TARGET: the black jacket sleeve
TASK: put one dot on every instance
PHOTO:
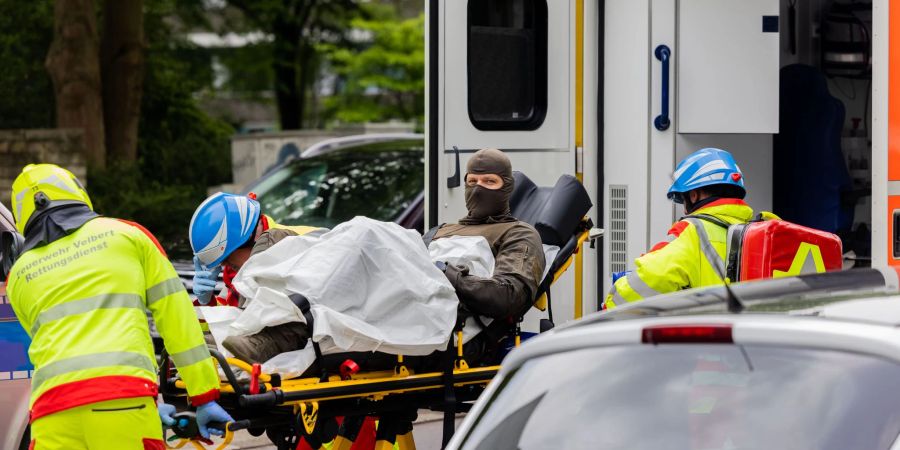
(519, 264)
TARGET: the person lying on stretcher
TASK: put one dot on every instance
(504, 296)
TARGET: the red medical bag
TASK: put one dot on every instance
(776, 248)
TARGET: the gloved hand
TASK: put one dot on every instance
(205, 281)
(211, 412)
(166, 411)
(617, 275)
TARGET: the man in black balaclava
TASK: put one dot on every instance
(516, 245)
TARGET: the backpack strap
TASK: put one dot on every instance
(711, 219)
(302, 303)
(733, 249)
(712, 256)
(733, 242)
(429, 236)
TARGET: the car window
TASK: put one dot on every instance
(377, 180)
(694, 397)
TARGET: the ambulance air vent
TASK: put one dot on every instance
(618, 203)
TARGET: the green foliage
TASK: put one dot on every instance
(25, 87)
(125, 192)
(385, 78)
(250, 71)
(181, 150)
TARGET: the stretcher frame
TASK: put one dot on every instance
(308, 407)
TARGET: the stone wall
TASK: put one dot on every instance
(19, 148)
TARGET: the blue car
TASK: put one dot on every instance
(15, 368)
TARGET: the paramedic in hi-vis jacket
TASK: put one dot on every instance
(711, 187)
(223, 231)
(81, 290)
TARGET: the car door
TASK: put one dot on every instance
(15, 368)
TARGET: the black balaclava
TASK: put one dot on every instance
(487, 205)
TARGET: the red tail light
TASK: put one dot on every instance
(667, 334)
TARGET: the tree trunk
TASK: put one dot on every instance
(73, 64)
(307, 77)
(122, 64)
(287, 90)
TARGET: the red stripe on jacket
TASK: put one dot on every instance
(101, 389)
(675, 231)
(91, 390)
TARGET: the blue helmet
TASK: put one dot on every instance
(221, 224)
(705, 167)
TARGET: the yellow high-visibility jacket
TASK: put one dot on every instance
(684, 261)
(84, 298)
(269, 223)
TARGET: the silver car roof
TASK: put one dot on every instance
(334, 144)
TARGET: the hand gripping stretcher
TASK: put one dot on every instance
(334, 406)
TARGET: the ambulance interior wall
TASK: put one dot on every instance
(854, 93)
(754, 152)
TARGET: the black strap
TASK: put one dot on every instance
(733, 249)
(449, 394)
(548, 281)
(709, 218)
(301, 302)
(734, 239)
(429, 236)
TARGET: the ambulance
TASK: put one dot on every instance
(804, 93)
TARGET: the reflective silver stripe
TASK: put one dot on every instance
(164, 289)
(91, 361)
(105, 301)
(712, 256)
(639, 286)
(617, 299)
(191, 356)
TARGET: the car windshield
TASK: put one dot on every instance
(379, 181)
(694, 397)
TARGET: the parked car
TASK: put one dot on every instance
(15, 368)
(810, 362)
(381, 176)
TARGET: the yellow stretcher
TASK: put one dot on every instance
(307, 408)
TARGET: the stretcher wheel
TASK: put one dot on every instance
(256, 432)
(288, 437)
(283, 438)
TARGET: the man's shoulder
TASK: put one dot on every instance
(520, 225)
(115, 225)
(269, 238)
(516, 227)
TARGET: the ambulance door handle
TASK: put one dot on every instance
(662, 121)
(453, 180)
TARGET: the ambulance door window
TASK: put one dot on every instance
(507, 64)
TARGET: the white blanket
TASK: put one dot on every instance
(372, 286)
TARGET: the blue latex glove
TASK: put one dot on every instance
(211, 412)
(617, 275)
(166, 411)
(205, 281)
